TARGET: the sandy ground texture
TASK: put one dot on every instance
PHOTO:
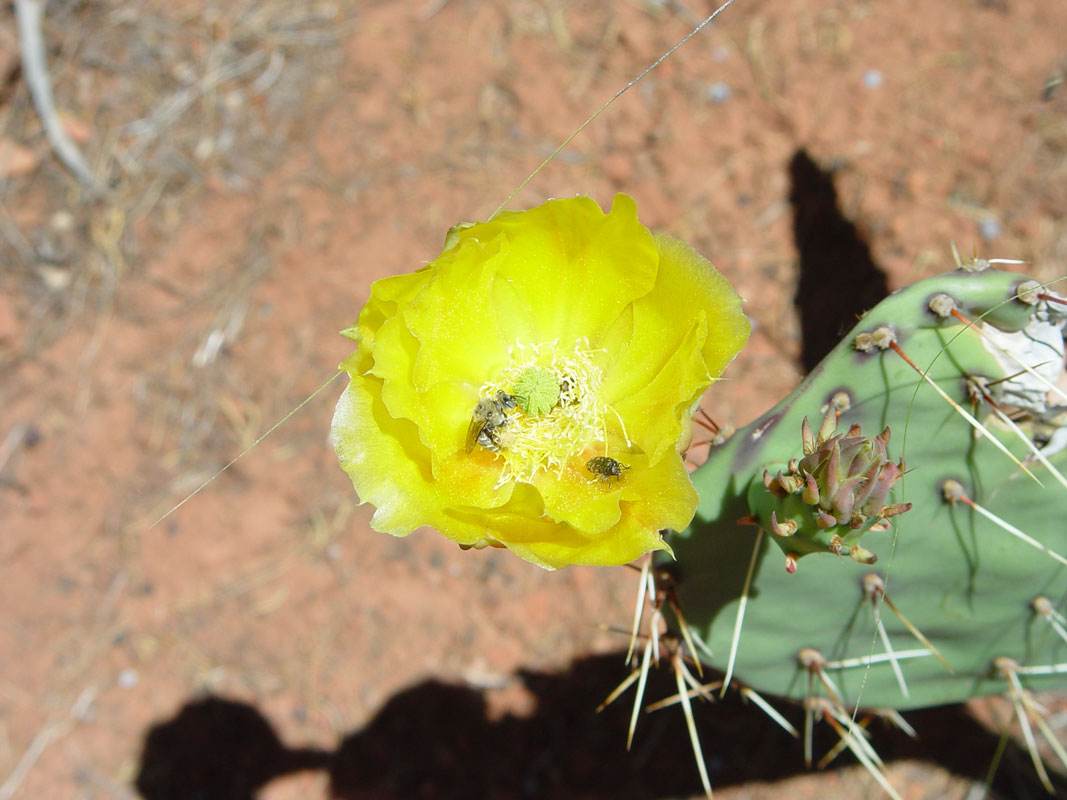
(260, 164)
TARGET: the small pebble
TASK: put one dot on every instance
(719, 92)
(233, 100)
(32, 436)
(989, 229)
(872, 79)
(204, 148)
(62, 222)
(128, 678)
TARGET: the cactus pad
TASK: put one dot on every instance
(950, 584)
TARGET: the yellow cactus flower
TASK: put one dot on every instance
(532, 387)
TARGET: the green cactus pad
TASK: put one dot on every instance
(965, 583)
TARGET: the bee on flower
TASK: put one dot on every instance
(490, 415)
(486, 382)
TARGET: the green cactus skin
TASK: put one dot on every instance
(962, 581)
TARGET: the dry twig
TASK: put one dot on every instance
(28, 14)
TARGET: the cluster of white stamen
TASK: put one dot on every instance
(578, 422)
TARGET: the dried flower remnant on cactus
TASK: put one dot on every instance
(555, 336)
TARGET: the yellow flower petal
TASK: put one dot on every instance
(569, 269)
(387, 295)
(393, 470)
(708, 291)
(691, 326)
(365, 436)
(461, 339)
(649, 501)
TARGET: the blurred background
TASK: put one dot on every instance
(257, 166)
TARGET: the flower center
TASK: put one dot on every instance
(559, 414)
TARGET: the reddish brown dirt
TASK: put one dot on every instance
(268, 587)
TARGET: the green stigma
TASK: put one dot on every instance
(537, 392)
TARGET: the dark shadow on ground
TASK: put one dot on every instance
(435, 741)
(216, 749)
(838, 280)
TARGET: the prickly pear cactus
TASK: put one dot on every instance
(895, 526)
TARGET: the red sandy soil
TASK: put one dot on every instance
(268, 587)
